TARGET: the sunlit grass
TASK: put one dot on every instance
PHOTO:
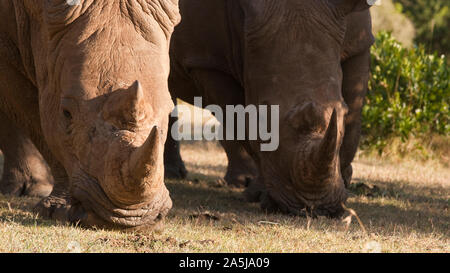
(408, 212)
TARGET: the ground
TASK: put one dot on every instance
(403, 207)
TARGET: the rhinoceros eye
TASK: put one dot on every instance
(67, 114)
(69, 107)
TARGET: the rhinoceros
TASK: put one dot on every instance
(86, 82)
(310, 57)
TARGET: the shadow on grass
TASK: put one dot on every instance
(200, 176)
(406, 192)
(20, 211)
(386, 218)
(399, 207)
(403, 205)
(205, 196)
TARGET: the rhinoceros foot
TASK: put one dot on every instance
(347, 174)
(53, 207)
(239, 177)
(254, 191)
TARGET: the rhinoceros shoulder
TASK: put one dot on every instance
(359, 36)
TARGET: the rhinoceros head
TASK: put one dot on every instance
(293, 59)
(105, 103)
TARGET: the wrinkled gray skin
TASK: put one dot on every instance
(87, 84)
(309, 57)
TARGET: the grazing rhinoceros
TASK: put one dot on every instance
(310, 57)
(86, 81)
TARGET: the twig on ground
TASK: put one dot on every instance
(267, 223)
(349, 218)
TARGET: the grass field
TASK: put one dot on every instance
(404, 207)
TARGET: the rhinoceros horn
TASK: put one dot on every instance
(325, 153)
(144, 160)
(126, 108)
(137, 100)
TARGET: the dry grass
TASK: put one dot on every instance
(432, 150)
(405, 211)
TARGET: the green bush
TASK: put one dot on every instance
(409, 94)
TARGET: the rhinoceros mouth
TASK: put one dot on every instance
(292, 198)
(328, 206)
(98, 210)
(300, 207)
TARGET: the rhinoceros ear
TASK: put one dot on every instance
(345, 7)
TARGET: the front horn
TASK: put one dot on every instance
(145, 159)
(325, 153)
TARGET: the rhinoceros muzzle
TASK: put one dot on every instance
(135, 199)
(92, 207)
(128, 189)
(315, 186)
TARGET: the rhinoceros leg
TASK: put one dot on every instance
(241, 168)
(355, 80)
(221, 89)
(19, 103)
(25, 170)
(173, 164)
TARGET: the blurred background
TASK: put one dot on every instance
(407, 107)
